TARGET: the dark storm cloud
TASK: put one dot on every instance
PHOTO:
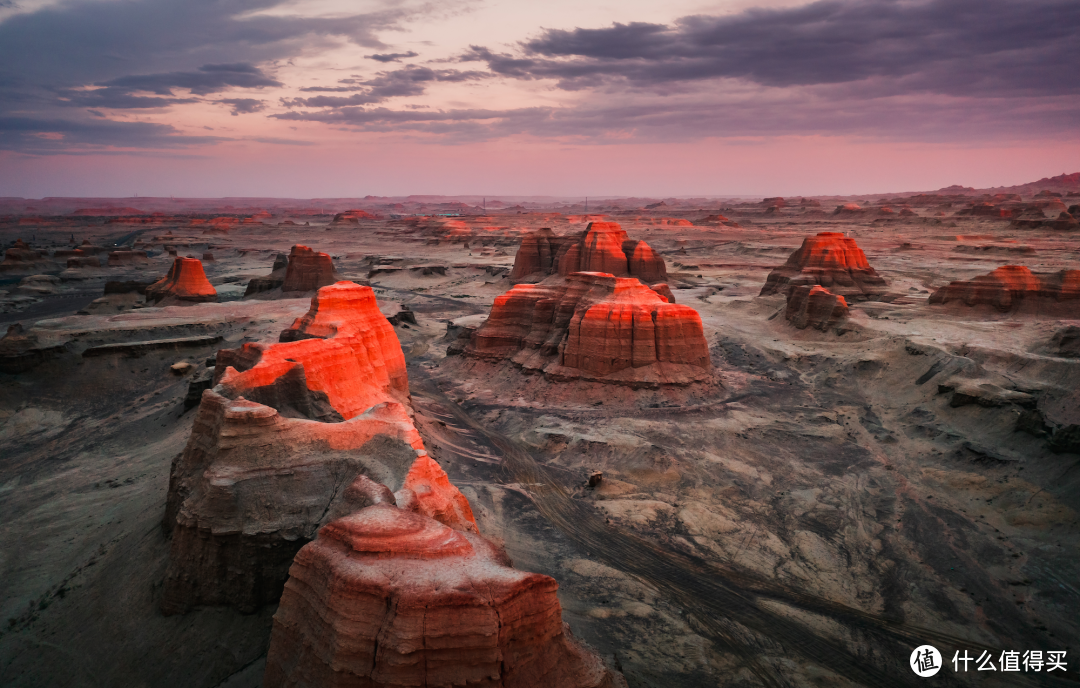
(941, 46)
(45, 136)
(243, 106)
(208, 79)
(408, 81)
(391, 57)
(111, 54)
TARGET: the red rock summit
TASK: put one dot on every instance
(1015, 287)
(308, 270)
(595, 326)
(604, 247)
(351, 217)
(185, 283)
(831, 260)
(284, 428)
(386, 598)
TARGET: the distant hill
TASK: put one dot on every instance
(1063, 183)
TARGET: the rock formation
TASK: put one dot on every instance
(604, 247)
(815, 307)
(21, 351)
(285, 430)
(21, 257)
(1010, 287)
(386, 598)
(185, 283)
(595, 326)
(308, 270)
(351, 217)
(120, 258)
(831, 260)
(275, 279)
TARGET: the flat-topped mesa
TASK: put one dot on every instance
(1013, 287)
(186, 283)
(351, 217)
(386, 598)
(595, 326)
(308, 270)
(286, 427)
(815, 307)
(604, 247)
(831, 260)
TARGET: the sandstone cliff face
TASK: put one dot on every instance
(185, 283)
(279, 444)
(815, 307)
(604, 247)
(275, 279)
(1012, 287)
(384, 598)
(308, 270)
(831, 260)
(595, 326)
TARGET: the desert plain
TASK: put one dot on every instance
(819, 491)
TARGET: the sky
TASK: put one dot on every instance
(332, 98)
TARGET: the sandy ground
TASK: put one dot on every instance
(801, 523)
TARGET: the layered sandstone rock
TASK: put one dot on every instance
(350, 217)
(384, 598)
(308, 270)
(604, 247)
(121, 258)
(831, 260)
(1012, 287)
(275, 279)
(185, 283)
(595, 326)
(279, 440)
(815, 307)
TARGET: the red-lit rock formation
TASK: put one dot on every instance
(815, 307)
(848, 210)
(598, 327)
(387, 599)
(1010, 287)
(604, 247)
(185, 283)
(275, 279)
(308, 270)
(831, 260)
(285, 430)
(351, 217)
(663, 291)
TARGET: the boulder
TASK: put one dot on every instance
(831, 260)
(387, 598)
(186, 283)
(284, 430)
(815, 307)
(308, 270)
(595, 326)
(1010, 287)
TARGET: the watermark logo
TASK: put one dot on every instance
(925, 661)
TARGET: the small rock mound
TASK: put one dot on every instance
(185, 283)
(831, 260)
(815, 307)
(1009, 287)
(384, 597)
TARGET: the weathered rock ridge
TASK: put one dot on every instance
(603, 247)
(595, 326)
(185, 283)
(1012, 287)
(831, 260)
(385, 598)
(279, 444)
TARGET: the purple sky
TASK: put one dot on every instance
(347, 98)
